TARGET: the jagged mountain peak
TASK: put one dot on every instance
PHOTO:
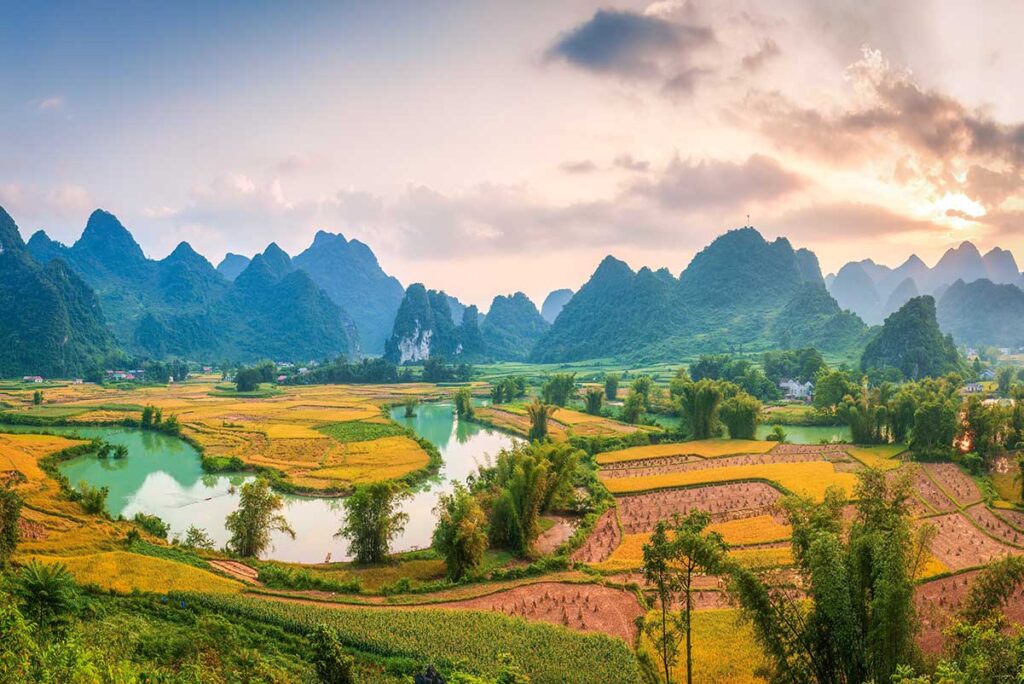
(105, 237)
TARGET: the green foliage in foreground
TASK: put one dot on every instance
(452, 640)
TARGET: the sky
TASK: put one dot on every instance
(487, 147)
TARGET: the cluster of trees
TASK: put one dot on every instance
(706, 405)
(248, 378)
(508, 389)
(802, 365)
(436, 369)
(375, 371)
(161, 371)
(559, 389)
(742, 372)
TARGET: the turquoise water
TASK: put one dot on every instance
(162, 476)
(809, 434)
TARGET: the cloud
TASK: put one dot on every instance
(754, 61)
(628, 163)
(844, 220)
(578, 167)
(692, 186)
(51, 104)
(630, 45)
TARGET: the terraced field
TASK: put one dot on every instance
(322, 439)
(563, 423)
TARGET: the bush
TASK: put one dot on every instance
(333, 665)
(152, 524)
(93, 499)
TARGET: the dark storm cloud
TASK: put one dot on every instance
(712, 183)
(628, 44)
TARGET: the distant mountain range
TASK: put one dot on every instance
(740, 293)
(873, 291)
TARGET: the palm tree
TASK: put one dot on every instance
(48, 592)
(539, 414)
(594, 397)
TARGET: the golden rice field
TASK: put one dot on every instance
(882, 457)
(126, 572)
(282, 432)
(705, 448)
(562, 424)
(809, 479)
(761, 529)
(724, 650)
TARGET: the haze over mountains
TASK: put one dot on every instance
(873, 291)
(741, 293)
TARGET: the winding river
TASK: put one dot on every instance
(162, 476)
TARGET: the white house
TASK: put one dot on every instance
(974, 388)
(797, 390)
(32, 378)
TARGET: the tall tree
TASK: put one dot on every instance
(255, 519)
(461, 532)
(539, 414)
(741, 414)
(611, 386)
(10, 512)
(373, 518)
(559, 389)
(594, 398)
(699, 402)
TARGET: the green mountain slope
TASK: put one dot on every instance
(983, 313)
(349, 273)
(512, 327)
(739, 293)
(52, 324)
(910, 341)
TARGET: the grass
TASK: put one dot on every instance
(705, 448)
(124, 572)
(807, 479)
(358, 431)
(724, 650)
(882, 456)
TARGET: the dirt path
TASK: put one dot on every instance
(556, 535)
(239, 571)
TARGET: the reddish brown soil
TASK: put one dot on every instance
(959, 544)
(640, 512)
(995, 526)
(954, 482)
(583, 607)
(1014, 518)
(605, 538)
(938, 601)
(662, 466)
(239, 571)
(930, 493)
(815, 449)
(29, 530)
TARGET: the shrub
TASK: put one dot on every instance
(332, 664)
(152, 524)
(93, 499)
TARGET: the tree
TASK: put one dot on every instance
(461, 532)
(464, 403)
(699, 402)
(10, 513)
(147, 417)
(410, 407)
(197, 538)
(525, 482)
(539, 414)
(48, 593)
(1004, 379)
(332, 664)
(642, 386)
(632, 409)
(672, 560)
(594, 399)
(741, 413)
(255, 519)
(248, 379)
(611, 386)
(93, 499)
(559, 389)
(373, 518)
(830, 388)
(37, 397)
(860, 622)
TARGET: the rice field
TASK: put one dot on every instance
(706, 448)
(724, 650)
(320, 438)
(124, 572)
(883, 457)
(809, 479)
